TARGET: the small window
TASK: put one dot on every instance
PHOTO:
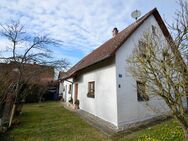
(120, 75)
(91, 89)
(153, 30)
(70, 89)
(141, 94)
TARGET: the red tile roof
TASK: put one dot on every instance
(109, 48)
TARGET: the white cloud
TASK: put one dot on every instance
(80, 24)
(4, 44)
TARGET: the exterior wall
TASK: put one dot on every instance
(104, 105)
(129, 109)
(61, 89)
(65, 89)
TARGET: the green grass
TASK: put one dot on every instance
(51, 122)
(166, 131)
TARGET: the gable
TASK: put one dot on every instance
(131, 44)
(109, 48)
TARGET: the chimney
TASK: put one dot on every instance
(114, 32)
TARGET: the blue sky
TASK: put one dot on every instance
(82, 25)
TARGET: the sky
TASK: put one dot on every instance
(82, 25)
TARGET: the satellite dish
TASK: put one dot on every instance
(135, 14)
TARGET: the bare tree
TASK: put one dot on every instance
(154, 64)
(23, 49)
(179, 27)
(161, 66)
(179, 42)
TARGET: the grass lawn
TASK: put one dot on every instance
(51, 122)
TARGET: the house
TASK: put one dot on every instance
(61, 84)
(35, 73)
(102, 83)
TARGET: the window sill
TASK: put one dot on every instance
(91, 95)
(143, 100)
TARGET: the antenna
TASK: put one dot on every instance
(135, 14)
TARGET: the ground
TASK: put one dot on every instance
(51, 122)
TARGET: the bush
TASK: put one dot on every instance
(34, 93)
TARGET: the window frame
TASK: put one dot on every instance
(141, 94)
(91, 91)
(153, 28)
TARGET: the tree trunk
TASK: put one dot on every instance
(184, 124)
(185, 134)
(12, 115)
(9, 102)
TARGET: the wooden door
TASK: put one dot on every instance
(76, 91)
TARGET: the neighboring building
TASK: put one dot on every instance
(61, 85)
(101, 81)
(35, 73)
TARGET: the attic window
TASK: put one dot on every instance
(153, 30)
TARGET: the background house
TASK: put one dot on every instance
(35, 73)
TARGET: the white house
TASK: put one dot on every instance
(101, 81)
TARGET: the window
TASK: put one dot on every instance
(91, 89)
(120, 75)
(70, 89)
(153, 30)
(141, 95)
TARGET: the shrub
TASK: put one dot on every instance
(34, 93)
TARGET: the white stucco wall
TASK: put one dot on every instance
(66, 94)
(129, 109)
(104, 105)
